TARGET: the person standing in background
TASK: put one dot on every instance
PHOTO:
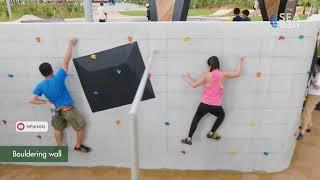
(112, 2)
(256, 7)
(237, 17)
(102, 13)
(148, 12)
(245, 15)
(313, 99)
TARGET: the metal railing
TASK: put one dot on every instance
(135, 172)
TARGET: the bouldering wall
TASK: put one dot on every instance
(262, 107)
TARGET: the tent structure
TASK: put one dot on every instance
(110, 78)
(273, 8)
(169, 10)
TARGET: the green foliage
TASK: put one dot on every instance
(41, 10)
(205, 3)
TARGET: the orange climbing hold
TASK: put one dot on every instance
(259, 74)
(118, 122)
(38, 39)
(130, 39)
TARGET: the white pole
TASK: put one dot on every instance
(9, 9)
(135, 174)
(88, 10)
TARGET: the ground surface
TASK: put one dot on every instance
(305, 166)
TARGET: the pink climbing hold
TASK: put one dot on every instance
(39, 136)
(281, 37)
(4, 121)
(149, 75)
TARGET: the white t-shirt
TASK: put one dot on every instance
(101, 12)
(256, 4)
(313, 90)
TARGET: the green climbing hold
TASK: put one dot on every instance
(301, 37)
(119, 71)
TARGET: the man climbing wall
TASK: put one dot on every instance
(55, 90)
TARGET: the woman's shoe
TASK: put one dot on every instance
(215, 136)
(186, 141)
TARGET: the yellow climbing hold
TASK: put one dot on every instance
(252, 123)
(232, 152)
(186, 38)
(93, 56)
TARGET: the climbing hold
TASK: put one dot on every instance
(130, 39)
(95, 92)
(186, 38)
(38, 39)
(38, 136)
(266, 153)
(117, 122)
(301, 37)
(149, 75)
(281, 38)
(93, 56)
(252, 123)
(232, 152)
(167, 123)
(119, 71)
(4, 121)
(183, 152)
(10, 75)
(258, 74)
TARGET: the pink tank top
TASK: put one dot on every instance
(213, 94)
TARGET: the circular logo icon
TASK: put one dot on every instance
(274, 21)
(20, 126)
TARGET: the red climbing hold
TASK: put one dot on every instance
(281, 37)
(4, 121)
(38, 39)
(149, 75)
(39, 136)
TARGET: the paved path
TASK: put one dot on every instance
(222, 12)
(114, 10)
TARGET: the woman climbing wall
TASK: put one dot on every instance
(212, 95)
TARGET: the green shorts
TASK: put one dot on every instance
(72, 117)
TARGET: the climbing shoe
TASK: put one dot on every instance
(186, 141)
(300, 136)
(215, 136)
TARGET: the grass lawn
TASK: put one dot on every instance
(44, 11)
(192, 12)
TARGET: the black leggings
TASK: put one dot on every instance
(202, 110)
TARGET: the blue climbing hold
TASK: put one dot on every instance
(95, 92)
(266, 153)
(10, 75)
(167, 123)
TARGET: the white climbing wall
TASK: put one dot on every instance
(262, 106)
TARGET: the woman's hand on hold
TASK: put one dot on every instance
(185, 75)
(241, 59)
